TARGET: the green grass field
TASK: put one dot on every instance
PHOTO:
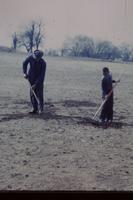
(57, 151)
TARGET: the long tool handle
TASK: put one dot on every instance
(34, 93)
(103, 102)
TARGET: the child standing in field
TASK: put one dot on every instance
(107, 86)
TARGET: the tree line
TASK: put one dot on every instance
(84, 46)
(32, 37)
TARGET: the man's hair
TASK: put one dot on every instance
(38, 53)
(105, 70)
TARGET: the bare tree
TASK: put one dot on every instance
(126, 52)
(32, 37)
(106, 50)
(79, 46)
(39, 36)
(15, 41)
(24, 41)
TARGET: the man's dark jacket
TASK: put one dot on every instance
(36, 72)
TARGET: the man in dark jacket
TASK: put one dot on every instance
(35, 76)
(107, 109)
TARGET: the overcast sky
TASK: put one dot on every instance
(100, 19)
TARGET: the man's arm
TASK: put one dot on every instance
(25, 64)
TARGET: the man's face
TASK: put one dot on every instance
(105, 73)
(36, 53)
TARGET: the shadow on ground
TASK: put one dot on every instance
(50, 113)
